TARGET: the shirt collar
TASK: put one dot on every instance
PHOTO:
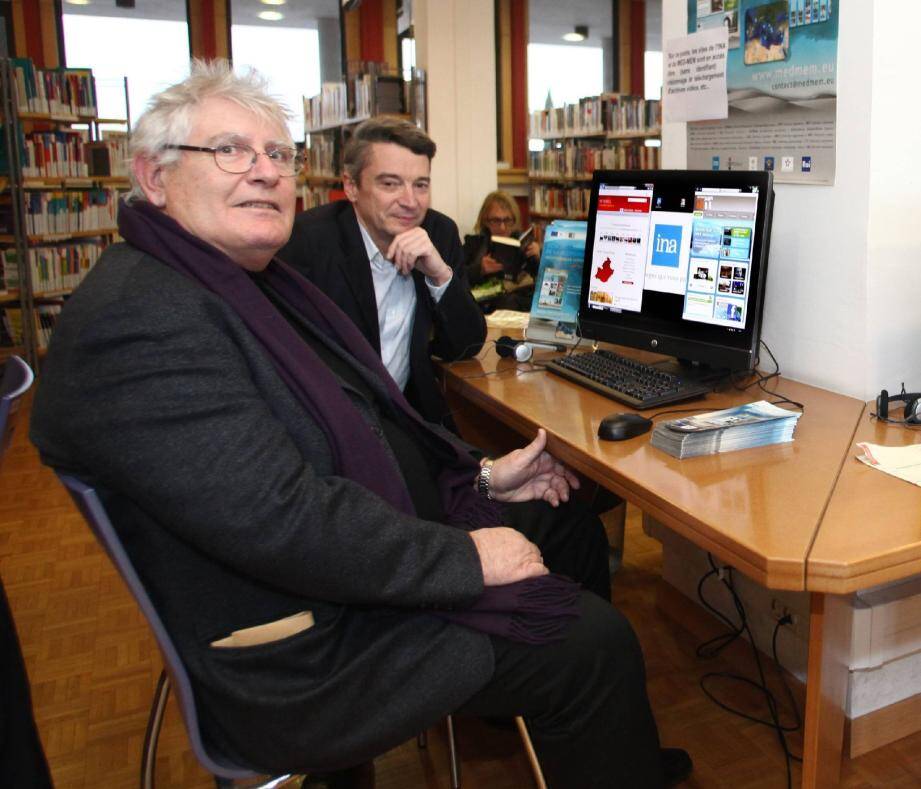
(370, 246)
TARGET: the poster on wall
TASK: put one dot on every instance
(781, 79)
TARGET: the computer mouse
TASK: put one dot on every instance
(618, 427)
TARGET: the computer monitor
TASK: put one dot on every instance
(676, 261)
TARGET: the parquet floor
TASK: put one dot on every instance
(93, 667)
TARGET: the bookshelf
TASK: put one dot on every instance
(370, 89)
(598, 132)
(60, 179)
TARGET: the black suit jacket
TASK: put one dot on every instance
(326, 247)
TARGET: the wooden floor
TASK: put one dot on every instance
(93, 666)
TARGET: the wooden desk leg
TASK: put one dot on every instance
(826, 689)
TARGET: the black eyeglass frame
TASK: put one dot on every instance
(297, 161)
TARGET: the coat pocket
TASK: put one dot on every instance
(269, 632)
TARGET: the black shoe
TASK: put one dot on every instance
(676, 765)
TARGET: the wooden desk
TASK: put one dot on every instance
(758, 510)
(853, 551)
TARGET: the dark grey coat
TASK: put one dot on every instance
(221, 486)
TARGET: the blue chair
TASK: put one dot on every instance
(17, 378)
(87, 501)
(174, 674)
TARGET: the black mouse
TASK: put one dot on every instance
(617, 427)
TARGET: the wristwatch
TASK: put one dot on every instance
(482, 480)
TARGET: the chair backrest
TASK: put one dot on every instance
(90, 506)
(17, 378)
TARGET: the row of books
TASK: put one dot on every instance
(55, 268)
(581, 158)
(108, 156)
(67, 153)
(59, 212)
(560, 201)
(44, 317)
(54, 154)
(313, 196)
(10, 327)
(322, 155)
(372, 92)
(609, 113)
(57, 91)
(329, 107)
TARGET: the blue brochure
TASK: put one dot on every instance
(555, 305)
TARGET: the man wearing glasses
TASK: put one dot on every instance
(392, 264)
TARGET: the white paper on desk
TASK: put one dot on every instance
(902, 462)
(694, 88)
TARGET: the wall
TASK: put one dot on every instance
(894, 221)
(841, 308)
(455, 44)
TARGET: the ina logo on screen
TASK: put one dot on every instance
(666, 245)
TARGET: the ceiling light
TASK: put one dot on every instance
(78, 2)
(580, 33)
(272, 2)
(270, 16)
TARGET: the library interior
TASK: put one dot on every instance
(618, 284)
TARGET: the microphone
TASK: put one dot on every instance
(522, 351)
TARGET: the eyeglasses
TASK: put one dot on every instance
(237, 158)
(505, 221)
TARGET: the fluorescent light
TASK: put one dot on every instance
(272, 2)
(580, 33)
(270, 16)
(78, 2)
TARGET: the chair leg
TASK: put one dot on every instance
(452, 754)
(532, 754)
(152, 736)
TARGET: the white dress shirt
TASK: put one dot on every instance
(396, 309)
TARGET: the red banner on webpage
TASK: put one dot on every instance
(624, 204)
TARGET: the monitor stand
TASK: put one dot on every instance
(693, 371)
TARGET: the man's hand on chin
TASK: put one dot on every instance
(414, 249)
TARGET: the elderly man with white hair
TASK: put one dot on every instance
(266, 475)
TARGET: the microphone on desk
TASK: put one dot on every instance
(522, 351)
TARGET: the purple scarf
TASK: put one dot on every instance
(536, 610)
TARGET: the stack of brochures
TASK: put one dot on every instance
(749, 425)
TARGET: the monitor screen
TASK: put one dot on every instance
(675, 262)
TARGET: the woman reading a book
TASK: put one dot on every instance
(502, 271)
(269, 480)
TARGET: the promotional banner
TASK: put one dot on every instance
(781, 80)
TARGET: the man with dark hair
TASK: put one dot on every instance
(392, 264)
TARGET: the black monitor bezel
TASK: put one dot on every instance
(709, 345)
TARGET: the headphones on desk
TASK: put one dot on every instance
(912, 412)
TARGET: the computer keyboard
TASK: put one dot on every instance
(629, 382)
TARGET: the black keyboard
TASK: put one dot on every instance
(629, 382)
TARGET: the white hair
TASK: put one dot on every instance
(170, 113)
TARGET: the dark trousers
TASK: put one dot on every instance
(22, 760)
(584, 698)
(571, 539)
